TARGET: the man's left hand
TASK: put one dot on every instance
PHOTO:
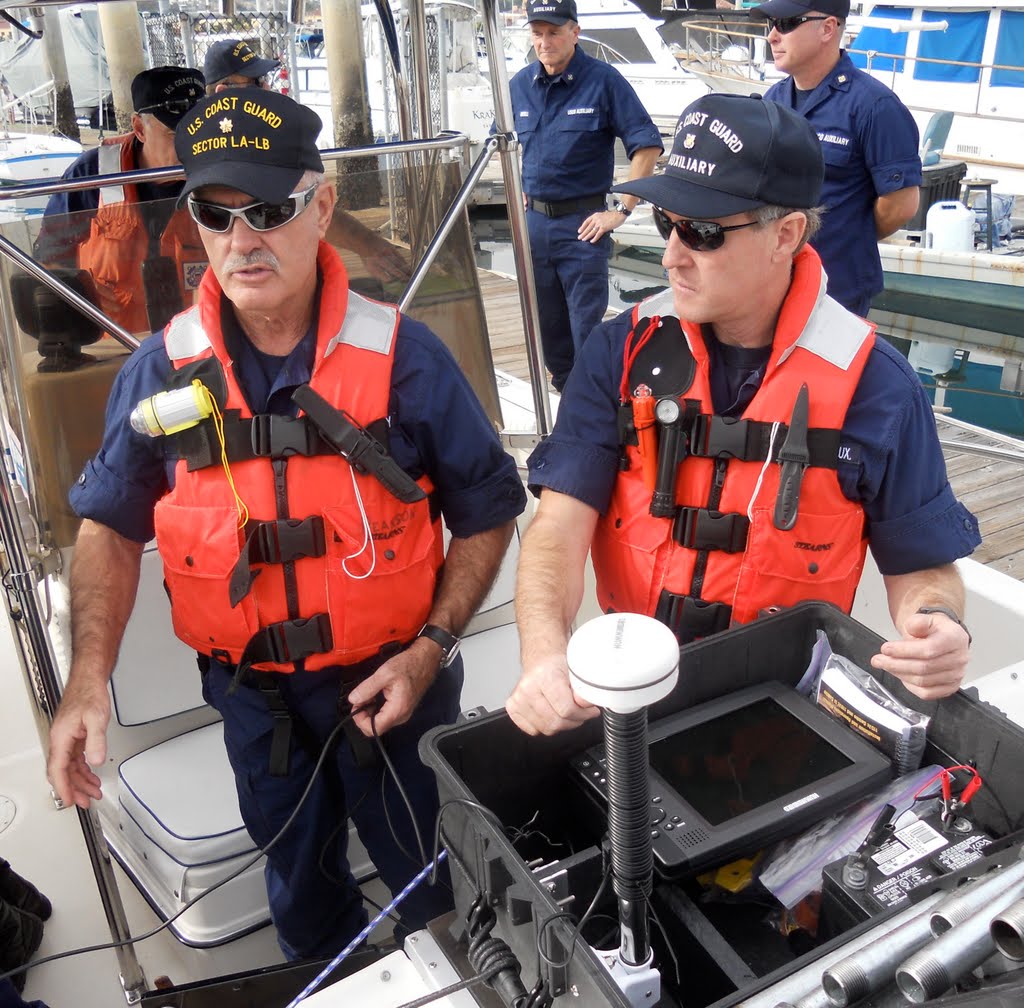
(384, 261)
(931, 659)
(399, 684)
(597, 225)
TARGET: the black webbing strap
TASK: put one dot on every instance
(701, 529)
(288, 641)
(283, 540)
(266, 435)
(689, 618)
(748, 440)
(281, 739)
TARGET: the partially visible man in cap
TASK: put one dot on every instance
(232, 63)
(868, 137)
(735, 442)
(569, 109)
(113, 231)
(311, 588)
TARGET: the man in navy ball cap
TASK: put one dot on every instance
(868, 137)
(112, 231)
(303, 612)
(569, 110)
(734, 444)
(233, 63)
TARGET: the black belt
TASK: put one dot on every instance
(562, 208)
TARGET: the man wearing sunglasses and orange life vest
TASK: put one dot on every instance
(868, 138)
(145, 258)
(309, 586)
(736, 442)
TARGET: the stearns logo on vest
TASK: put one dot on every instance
(396, 526)
(813, 547)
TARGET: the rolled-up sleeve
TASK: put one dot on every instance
(438, 427)
(914, 520)
(120, 486)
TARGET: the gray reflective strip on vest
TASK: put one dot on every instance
(184, 336)
(109, 163)
(833, 334)
(368, 325)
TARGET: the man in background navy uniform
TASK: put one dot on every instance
(868, 138)
(232, 63)
(569, 109)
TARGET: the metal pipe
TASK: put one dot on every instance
(932, 970)
(421, 72)
(805, 980)
(993, 891)
(504, 123)
(1008, 931)
(23, 603)
(448, 222)
(873, 966)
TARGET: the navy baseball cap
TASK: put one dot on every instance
(556, 12)
(258, 142)
(167, 92)
(800, 8)
(734, 153)
(233, 56)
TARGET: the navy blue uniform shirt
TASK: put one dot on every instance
(568, 124)
(890, 458)
(870, 143)
(437, 425)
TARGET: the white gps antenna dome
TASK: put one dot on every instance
(623, 662)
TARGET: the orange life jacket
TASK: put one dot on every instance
(720, 559)
(118, 244)
(310, 579)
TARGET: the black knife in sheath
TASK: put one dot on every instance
(793, 459)
(357, 445)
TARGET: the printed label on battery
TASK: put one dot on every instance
(908, 845)
(895, 890)
(964, 853)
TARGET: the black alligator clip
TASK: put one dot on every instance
(794, 458)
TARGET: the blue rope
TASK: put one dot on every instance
(359, 938)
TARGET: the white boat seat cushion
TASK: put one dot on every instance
(181, 795)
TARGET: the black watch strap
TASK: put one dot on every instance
(621, 207)
(946, 611)
(447, 642)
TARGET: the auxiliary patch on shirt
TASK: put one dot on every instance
(580, 111)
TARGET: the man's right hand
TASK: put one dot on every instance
(78, 742)
(543, 702)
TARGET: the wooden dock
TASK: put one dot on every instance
(992, 490)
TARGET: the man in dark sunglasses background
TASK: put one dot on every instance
(232, 63)
(736, 442)
(310, 589)
(868, 137)
(113, 231)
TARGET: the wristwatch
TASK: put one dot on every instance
(447, 642)
(946, 611)
(621, 208)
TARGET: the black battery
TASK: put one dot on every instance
(911, 856)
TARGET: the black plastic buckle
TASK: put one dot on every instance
(287, 539)
(295, 640)
(701, 529)
(690, 618)
(274, 436)
(718, 437)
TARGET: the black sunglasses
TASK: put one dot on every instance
(696, 235)
(259, 216)
(178, 107)
(786, 25)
